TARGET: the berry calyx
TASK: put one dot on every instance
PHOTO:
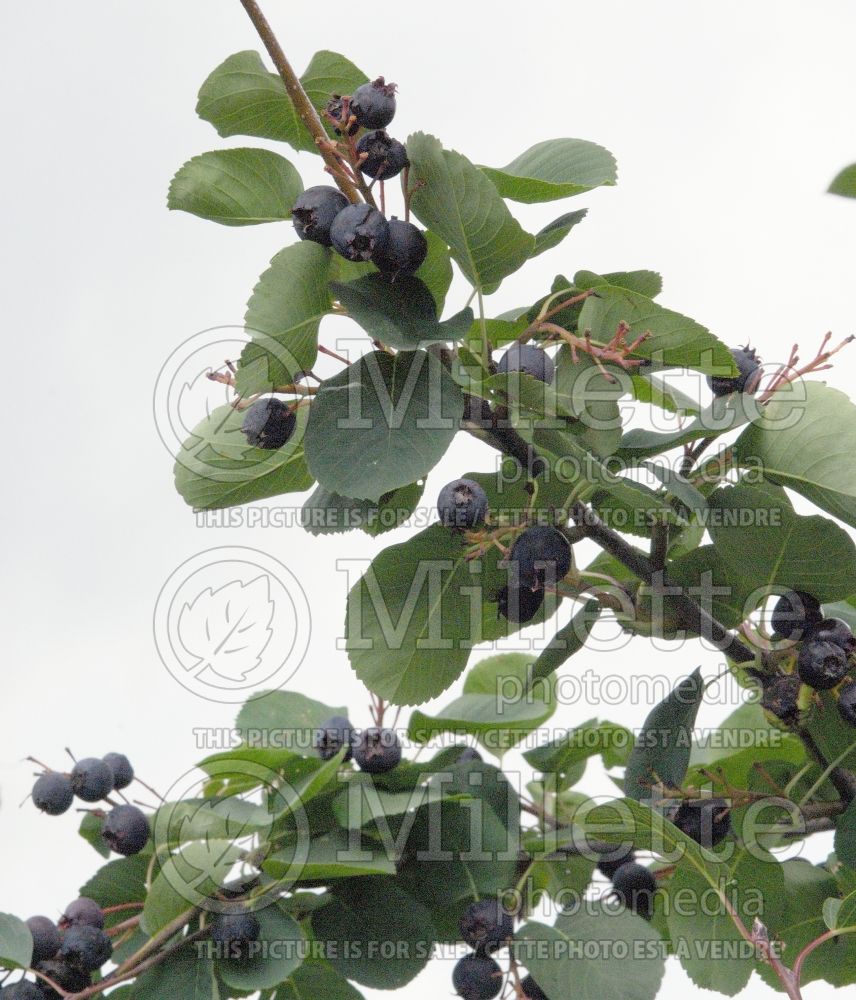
(832, 630)
(780, 697)
(52, 793)
(529, 359)
(359, 232)
(67, 977)
(123, 773)
(486, 925)
(540, 555)
(382, 156)
(793, 613)
(706, 821)
(334, 110)
(82, 911)
(519, 604)
(335, 733)
(847, 703)
(268, 423)
(404, 251)
(477, 977)
(126, 830)
(748, 363)
(313, 213)
(635, 886)
(234, 933)
(377, 750)
(610, 863)
(532, 991)
(46, 938)
(462, 504)
(91, 779)
(373, 104)
(85, 948)
(821, 664)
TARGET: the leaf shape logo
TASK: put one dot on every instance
(227, 630)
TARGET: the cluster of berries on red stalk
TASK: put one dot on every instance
(826, 656)
(374, 750)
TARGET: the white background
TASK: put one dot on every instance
(728, 122)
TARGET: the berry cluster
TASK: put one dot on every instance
(374, 750)
(825, 658)
(92, 779)
(486, 926)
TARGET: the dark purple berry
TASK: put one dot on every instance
(847, 703)
(781, 696)
(462, 504)
(123, 773)
(68, 977)
(540, 555)
(748, 363)
(126, 830)
(335, 733)
(477, 977)
(359, 232)
(468, 755)
(86, 948)
(385, 157)
(519, 604)
(821, 665)
(832, 630)
(486, 925)
(373, 104)
(377, 750)
(22, 990)
(532, 991)
(268, 423)
(234, 933)
(82, 911)
(91, 779)
(635, 886)
(529, 359)
(610, 863)
(793, 613)
(314, 211)
(52, 793)
(404, 251)
(46, 938)
(706, 821)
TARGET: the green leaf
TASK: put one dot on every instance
(326, 513)
(400, 313)
(593, 954)
(382, 423)
(662, 749)
(457, 202)
(241, 97)
(845, 835)
(90, 830)
(704, 575)
(317, 980)
(805, 440)
(117, 882)
(494, 706)
(329, 856)
(554, 232)
(556, 168)
(236, 187)
(185, 975)
(283, 712)
(563, 755)
(844, 182)
(651, 389)
(647, 283)
(436, 269)
(16, 942)
(217, 468)
(283, 317)
(570, 639)
(278, 956)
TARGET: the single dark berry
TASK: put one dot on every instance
(462, 504)
(68, 977)
(748, 363)
(532, 991)
(52, 793)
(706, 821)
(82, 911)
(91, 779)
(126, 830)
(86, 948)
(468, 755)
(268, 423)
(610, 863)
(404, 251)
(385, 157)
(635, 886)
(486, 925)
(847, 703)
(529, 359)
(821, 665)
(334, 109)
(313, 212)
(337, 732)
(233, 933)
(46, 938)
(794, 612)
(832, 630)
(22, 990)
(377, 750)
(540, 555)
(780, 697)
(477, 977)
(519, 604)
(373, 104)
(359, 232)
(123, 773)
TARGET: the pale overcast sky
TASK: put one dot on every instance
(727, 120)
